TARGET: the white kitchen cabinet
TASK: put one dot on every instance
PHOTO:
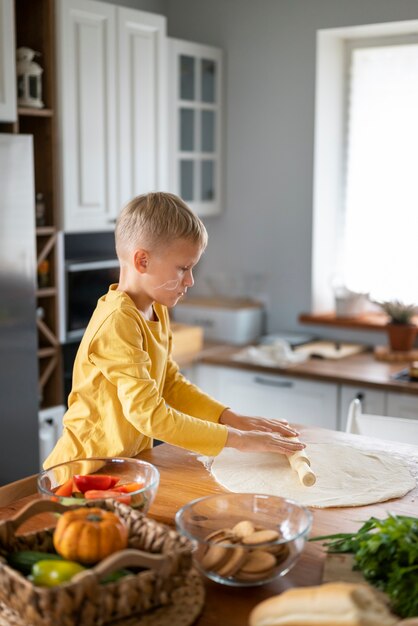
(8, 107)
(402, 405)
(372, 401)
(273, 396)
(110, 74)
(195, 134)
(142, 136)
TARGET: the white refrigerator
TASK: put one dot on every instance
(19, 397)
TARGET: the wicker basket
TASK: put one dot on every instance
(83, 601)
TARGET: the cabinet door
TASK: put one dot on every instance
(142, 97)
(8, 112)
(195, 101)
(86, 48)
(276, 397)
(402, 405)
(372, 401)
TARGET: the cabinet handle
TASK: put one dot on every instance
(283, 384)
(111, 220)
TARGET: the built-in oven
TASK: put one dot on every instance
(85, 275)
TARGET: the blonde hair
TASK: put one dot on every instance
(154, 219)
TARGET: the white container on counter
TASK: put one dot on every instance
(232, 320)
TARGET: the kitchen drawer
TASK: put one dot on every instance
(255, 393)
(402, 405)
(372, 401)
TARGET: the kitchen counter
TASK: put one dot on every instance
(358, 370)
(184, 478)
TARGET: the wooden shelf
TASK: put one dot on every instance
(46, 292)
(368, 321)
(32, 112)
(45, 230)
(45, 352)
(35, 28)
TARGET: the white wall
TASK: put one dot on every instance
(270, 69)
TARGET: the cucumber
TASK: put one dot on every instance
(25, 559)
(115, 576)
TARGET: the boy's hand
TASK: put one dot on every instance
(257, 441)
(244, 422)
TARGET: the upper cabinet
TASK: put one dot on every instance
(142, 76)
(195, 100)
(8, 110)
(111, 89)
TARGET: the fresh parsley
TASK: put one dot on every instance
(386, 552)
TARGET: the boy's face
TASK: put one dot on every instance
(169, 271)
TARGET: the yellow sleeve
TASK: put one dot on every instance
(117, 351)
(182, 395)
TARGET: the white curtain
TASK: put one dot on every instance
(380, 248)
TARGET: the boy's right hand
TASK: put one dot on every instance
(258, 441)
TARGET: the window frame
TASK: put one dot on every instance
(331, 106)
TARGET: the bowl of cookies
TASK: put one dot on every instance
(244, 539)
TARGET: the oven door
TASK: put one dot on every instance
(85, 283)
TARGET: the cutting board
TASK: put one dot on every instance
(339, 567)
(330, 349)
(384, 353)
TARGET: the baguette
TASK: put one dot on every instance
(331, 604)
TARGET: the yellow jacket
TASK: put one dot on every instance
(127, 390)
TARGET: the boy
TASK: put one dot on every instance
(126, 389)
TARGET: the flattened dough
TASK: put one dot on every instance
(345, 475)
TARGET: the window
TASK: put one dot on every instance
(365, 201)
(380, 225)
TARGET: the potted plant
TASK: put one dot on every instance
(401, 330)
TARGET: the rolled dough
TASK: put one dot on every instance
(345, 475)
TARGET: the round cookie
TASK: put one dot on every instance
(261, 536)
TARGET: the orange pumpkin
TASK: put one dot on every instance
(88, 535)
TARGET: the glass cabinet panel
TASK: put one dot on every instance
(195, 169)
(187, 77)
(208, 80)
(187, 121)
(208, 180)
(186, 179)
(208, 131)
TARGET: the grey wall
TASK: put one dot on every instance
(270, 81)
(154, 6)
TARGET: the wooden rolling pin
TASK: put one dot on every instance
(300, 462)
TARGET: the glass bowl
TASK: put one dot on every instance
(244, 539)
(130, 481)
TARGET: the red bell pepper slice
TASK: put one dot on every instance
(94, 481)
(96, 494)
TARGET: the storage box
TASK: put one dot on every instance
(232, 320)
(187, 340)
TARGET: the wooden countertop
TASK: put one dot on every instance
(184, 478)
(358, 370)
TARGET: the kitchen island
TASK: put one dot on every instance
(184, 478)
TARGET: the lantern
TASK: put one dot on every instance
(29, 81)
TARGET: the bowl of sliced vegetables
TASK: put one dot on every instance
(130, 481)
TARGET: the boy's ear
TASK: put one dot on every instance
(141, 261)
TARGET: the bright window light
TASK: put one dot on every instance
(380, 247)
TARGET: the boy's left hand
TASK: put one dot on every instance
(263, 424)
